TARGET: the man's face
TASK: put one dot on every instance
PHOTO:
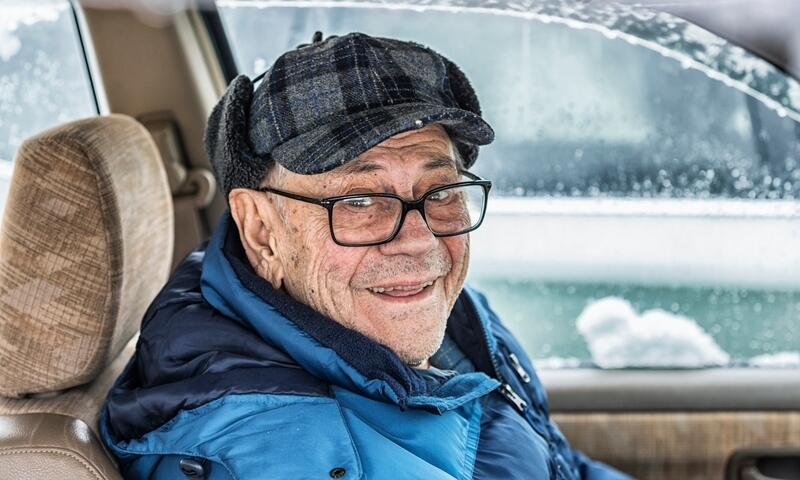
(420, 275)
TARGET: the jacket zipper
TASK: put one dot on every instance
(518, 368)
(505, 389)
(513, 397)
(519, 404)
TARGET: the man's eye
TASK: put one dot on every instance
(440, 196)
(359, 202)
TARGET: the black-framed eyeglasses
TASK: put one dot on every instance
(367, 219)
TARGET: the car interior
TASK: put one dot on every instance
(100, 209)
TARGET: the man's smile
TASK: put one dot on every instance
(404, 291)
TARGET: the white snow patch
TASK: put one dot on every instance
(776, 360)
(693, 33)
(618, 337)
(259, 65)
(6, 168)
(712, 44)
(16, 14)
(556, 363)
(794, 92)
(743, 62)
(9, 45)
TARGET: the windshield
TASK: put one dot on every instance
(647, 174)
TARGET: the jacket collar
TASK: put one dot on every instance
(323, 347)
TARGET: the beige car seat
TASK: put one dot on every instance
(85, 244)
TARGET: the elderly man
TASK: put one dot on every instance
(324, 331)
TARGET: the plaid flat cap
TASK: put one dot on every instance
(325, 103)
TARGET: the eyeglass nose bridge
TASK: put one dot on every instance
(409, 206)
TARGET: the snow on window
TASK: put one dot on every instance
(655, 162)
(794, 93)
(776, 360)
(16, 15)
(618, 337)
(556, 363)
(43, 77)
(625, 114)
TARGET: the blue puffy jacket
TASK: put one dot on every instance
(234, 380)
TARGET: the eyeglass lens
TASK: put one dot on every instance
(371, 219)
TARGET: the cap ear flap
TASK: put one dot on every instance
(463, 93)
(226, 139)
(465, 98)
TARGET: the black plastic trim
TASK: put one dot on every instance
(219, 40)
(82, 44)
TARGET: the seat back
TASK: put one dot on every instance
(85, 244)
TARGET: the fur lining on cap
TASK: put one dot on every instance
(232, 158)
(465, 98)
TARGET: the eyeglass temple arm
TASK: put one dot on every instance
(294, 196)
(470, 175)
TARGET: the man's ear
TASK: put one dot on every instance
(257, 219)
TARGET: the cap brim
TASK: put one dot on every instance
(335, 143)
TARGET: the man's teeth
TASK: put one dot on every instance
(401, 289)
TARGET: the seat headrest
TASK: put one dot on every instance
(85, 244)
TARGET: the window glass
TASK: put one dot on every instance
(646, 205)
(43, 75)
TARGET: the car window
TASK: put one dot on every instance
(43, 75)
(645, 209)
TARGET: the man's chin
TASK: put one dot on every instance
(417, 356)
(415, 338)
(412, 328)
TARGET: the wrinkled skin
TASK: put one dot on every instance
(288, 243)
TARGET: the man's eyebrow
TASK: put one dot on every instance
(358, 166)
(367, 166)
(440, 161)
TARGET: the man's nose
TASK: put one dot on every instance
(414, 237)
